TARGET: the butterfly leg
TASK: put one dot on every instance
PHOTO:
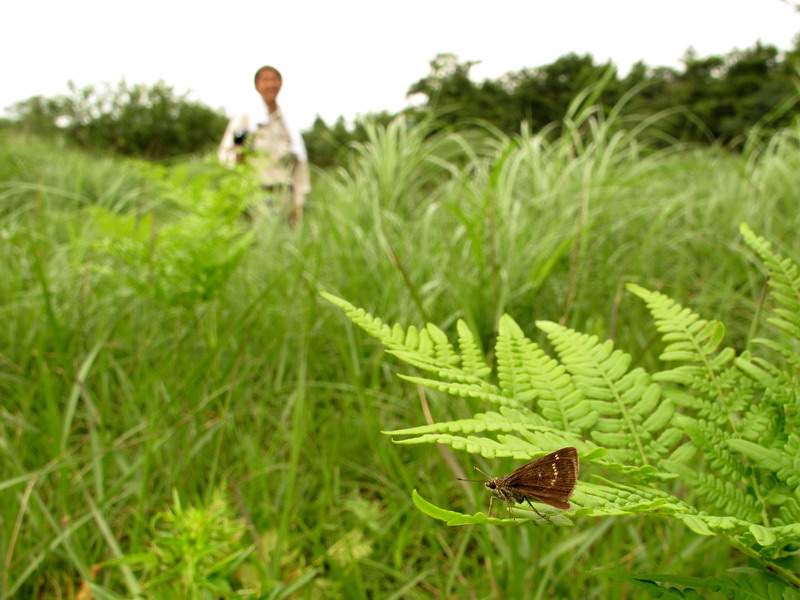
(509, 505)
(545, 517)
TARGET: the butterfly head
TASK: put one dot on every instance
(492, 484)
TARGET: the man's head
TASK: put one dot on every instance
(268, 82)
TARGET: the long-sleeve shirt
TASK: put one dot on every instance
(273, 149)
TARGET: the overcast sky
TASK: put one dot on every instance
(352, 57)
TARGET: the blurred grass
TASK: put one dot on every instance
(113, 398)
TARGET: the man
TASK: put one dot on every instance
(263, 139)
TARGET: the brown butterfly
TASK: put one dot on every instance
(550, 479)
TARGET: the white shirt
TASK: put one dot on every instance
(274, 149)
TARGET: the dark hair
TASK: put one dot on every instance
(265, 67)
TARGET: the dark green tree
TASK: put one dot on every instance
(454, 98)
(329, 146)
(152, 122)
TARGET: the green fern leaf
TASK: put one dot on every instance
(479, 390)
(456, 518)
(742, 584)
(506, 420)
(524, 367)
(689, 338)
(789, 355)
(615, 498)
(785, 465)
(428, 348)
(712, 440)
(721, 493)
(784, 282)
(505, 446)
(625, 398)
(472, 359)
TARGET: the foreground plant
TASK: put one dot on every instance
(722, 423)
(196, 552)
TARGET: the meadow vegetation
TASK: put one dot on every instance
(184, 415)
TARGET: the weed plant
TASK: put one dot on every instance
(227, 381)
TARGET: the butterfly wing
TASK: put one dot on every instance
(550, 479)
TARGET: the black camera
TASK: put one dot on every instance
(239, 137)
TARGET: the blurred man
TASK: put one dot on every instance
(262, 139)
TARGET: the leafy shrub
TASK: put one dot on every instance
(187, 260)
(195, 552)
(137, 120)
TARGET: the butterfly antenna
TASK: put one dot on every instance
(476, 480)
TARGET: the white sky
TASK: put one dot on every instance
(351, 57)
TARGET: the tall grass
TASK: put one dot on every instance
(113, 397)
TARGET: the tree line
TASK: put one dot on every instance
(713, 99)
(152, 122)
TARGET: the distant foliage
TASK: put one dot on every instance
(715, 98)
(712, 99)
(718, 98)
(329, 146)
(711, 441)
(187, 260)
(194, 552)
(152, 122)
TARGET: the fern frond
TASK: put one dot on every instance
(428, 348)
(776, 537)
(721, 493)
(506, 420)
(742, 584)
(790, 356)
(778, 412)
(486, 447)
(633, 411)
(762, 422)
(472, 359)
(690, 339)
(784, 464)
(588, 500)
(479, 390)
(523, 366)
(452, 517)
(784, 283)
(505, 446)
(626, 499)
(513, 349)
(768, 375)
(789, 512)
(711, 440)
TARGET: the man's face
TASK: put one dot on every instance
(268, 85)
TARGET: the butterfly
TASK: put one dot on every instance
(550, 479)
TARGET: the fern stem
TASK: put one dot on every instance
(409, 284)
(790, 577)
(759, 307)
(444, 450)
(576, 255)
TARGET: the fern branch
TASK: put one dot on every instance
(690, 339)
(626, 399)
(784, 283)
(745, 584)
(523, 366)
